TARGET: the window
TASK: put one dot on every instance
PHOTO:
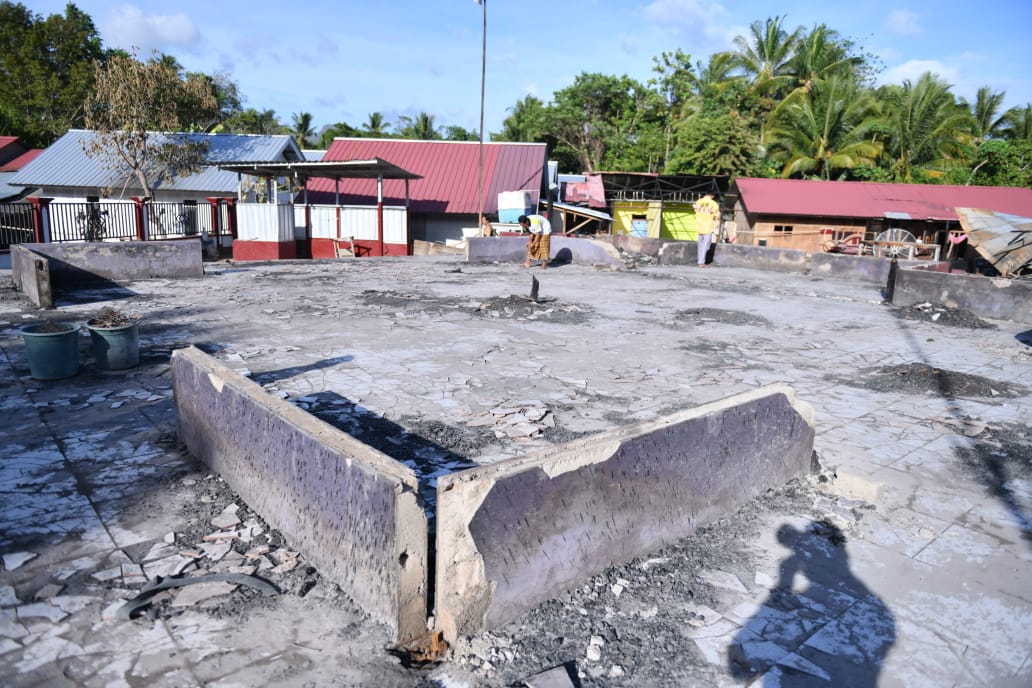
(784, 229)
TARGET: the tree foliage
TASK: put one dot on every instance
(46, 71)
(131, 107)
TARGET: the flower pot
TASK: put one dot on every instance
(115, 348)
(53, 349)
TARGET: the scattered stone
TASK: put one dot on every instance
(257, 552)
(49, 590)
(42, 609)
(8, 597)
(216, 550)
(595, 645)
(722, 579)
(16, 559)
(556, 677)
(169, 538)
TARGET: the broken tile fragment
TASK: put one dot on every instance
(225, 520)
(199, 592)
(49, 590)
(42, 609)
(8, 597)
(16, 559)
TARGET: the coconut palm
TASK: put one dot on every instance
(824, 131)
(989, 121)
(302, 129)
(1019, 124)
(375, 126)
(765, 54)
(929, 132)
(420, 127)
(819, 55)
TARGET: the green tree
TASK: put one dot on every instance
(596, 119)
(251, 121)
(1003, 163)
(765, 55)
(716, 142)
(453, 132)
(421, 127)
(46, 71)
(338, 130)
(825, 129)
(375, 126)
(929, 134)
(986, 111)
(526, 122)
(302, 129)
(820, 55)
(131, 101)
(227, 99)
(1018, 125)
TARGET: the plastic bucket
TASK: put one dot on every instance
(52, 355)
(116, 348)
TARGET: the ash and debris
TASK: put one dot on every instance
(1001, 460)
(921, 378)
(701, 316)
(628, 621)
(522, 308)
(942, 315)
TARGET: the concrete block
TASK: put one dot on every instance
(516, 533)
(30, 273)
(348, 508)
(855, 268)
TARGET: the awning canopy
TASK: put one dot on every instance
(327, 169)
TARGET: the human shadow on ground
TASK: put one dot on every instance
(834, 631)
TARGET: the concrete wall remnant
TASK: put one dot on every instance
(988, 297)
(349, 509)
(516, 533)
(30, 273)
(72, 264)
(513, 249)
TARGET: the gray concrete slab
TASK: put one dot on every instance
(415, 355)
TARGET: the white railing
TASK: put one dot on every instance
(357, 221)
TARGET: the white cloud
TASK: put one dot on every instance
(694, 18)
(904, 23)
(913, 69)
(126, 26)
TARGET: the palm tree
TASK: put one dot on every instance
(825, 130)
(302, 129)
(819, 55)
(928, 131)
(421, 127)
(766, 53)
(376, 126)
(989, 121)
(525, 122)
(1019, 124)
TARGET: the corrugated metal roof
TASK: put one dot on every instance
(449, 169)
(876, 200)
(1003, 239)
(65, 164)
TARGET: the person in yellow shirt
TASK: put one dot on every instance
(707, 220)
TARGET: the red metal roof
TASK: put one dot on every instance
(21, 161)
(870, 200)
(449, 169)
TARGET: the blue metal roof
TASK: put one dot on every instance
(65, 164)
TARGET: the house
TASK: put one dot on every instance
(445, 198)
(655, 205)
(14, 155)
(802, 214)
(63, 172)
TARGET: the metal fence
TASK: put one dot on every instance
(113, 221)
(15, 224)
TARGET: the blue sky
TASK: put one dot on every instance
(341, 60)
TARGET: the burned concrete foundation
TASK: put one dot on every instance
(509, 535)
(514, 534)
(349, 509)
